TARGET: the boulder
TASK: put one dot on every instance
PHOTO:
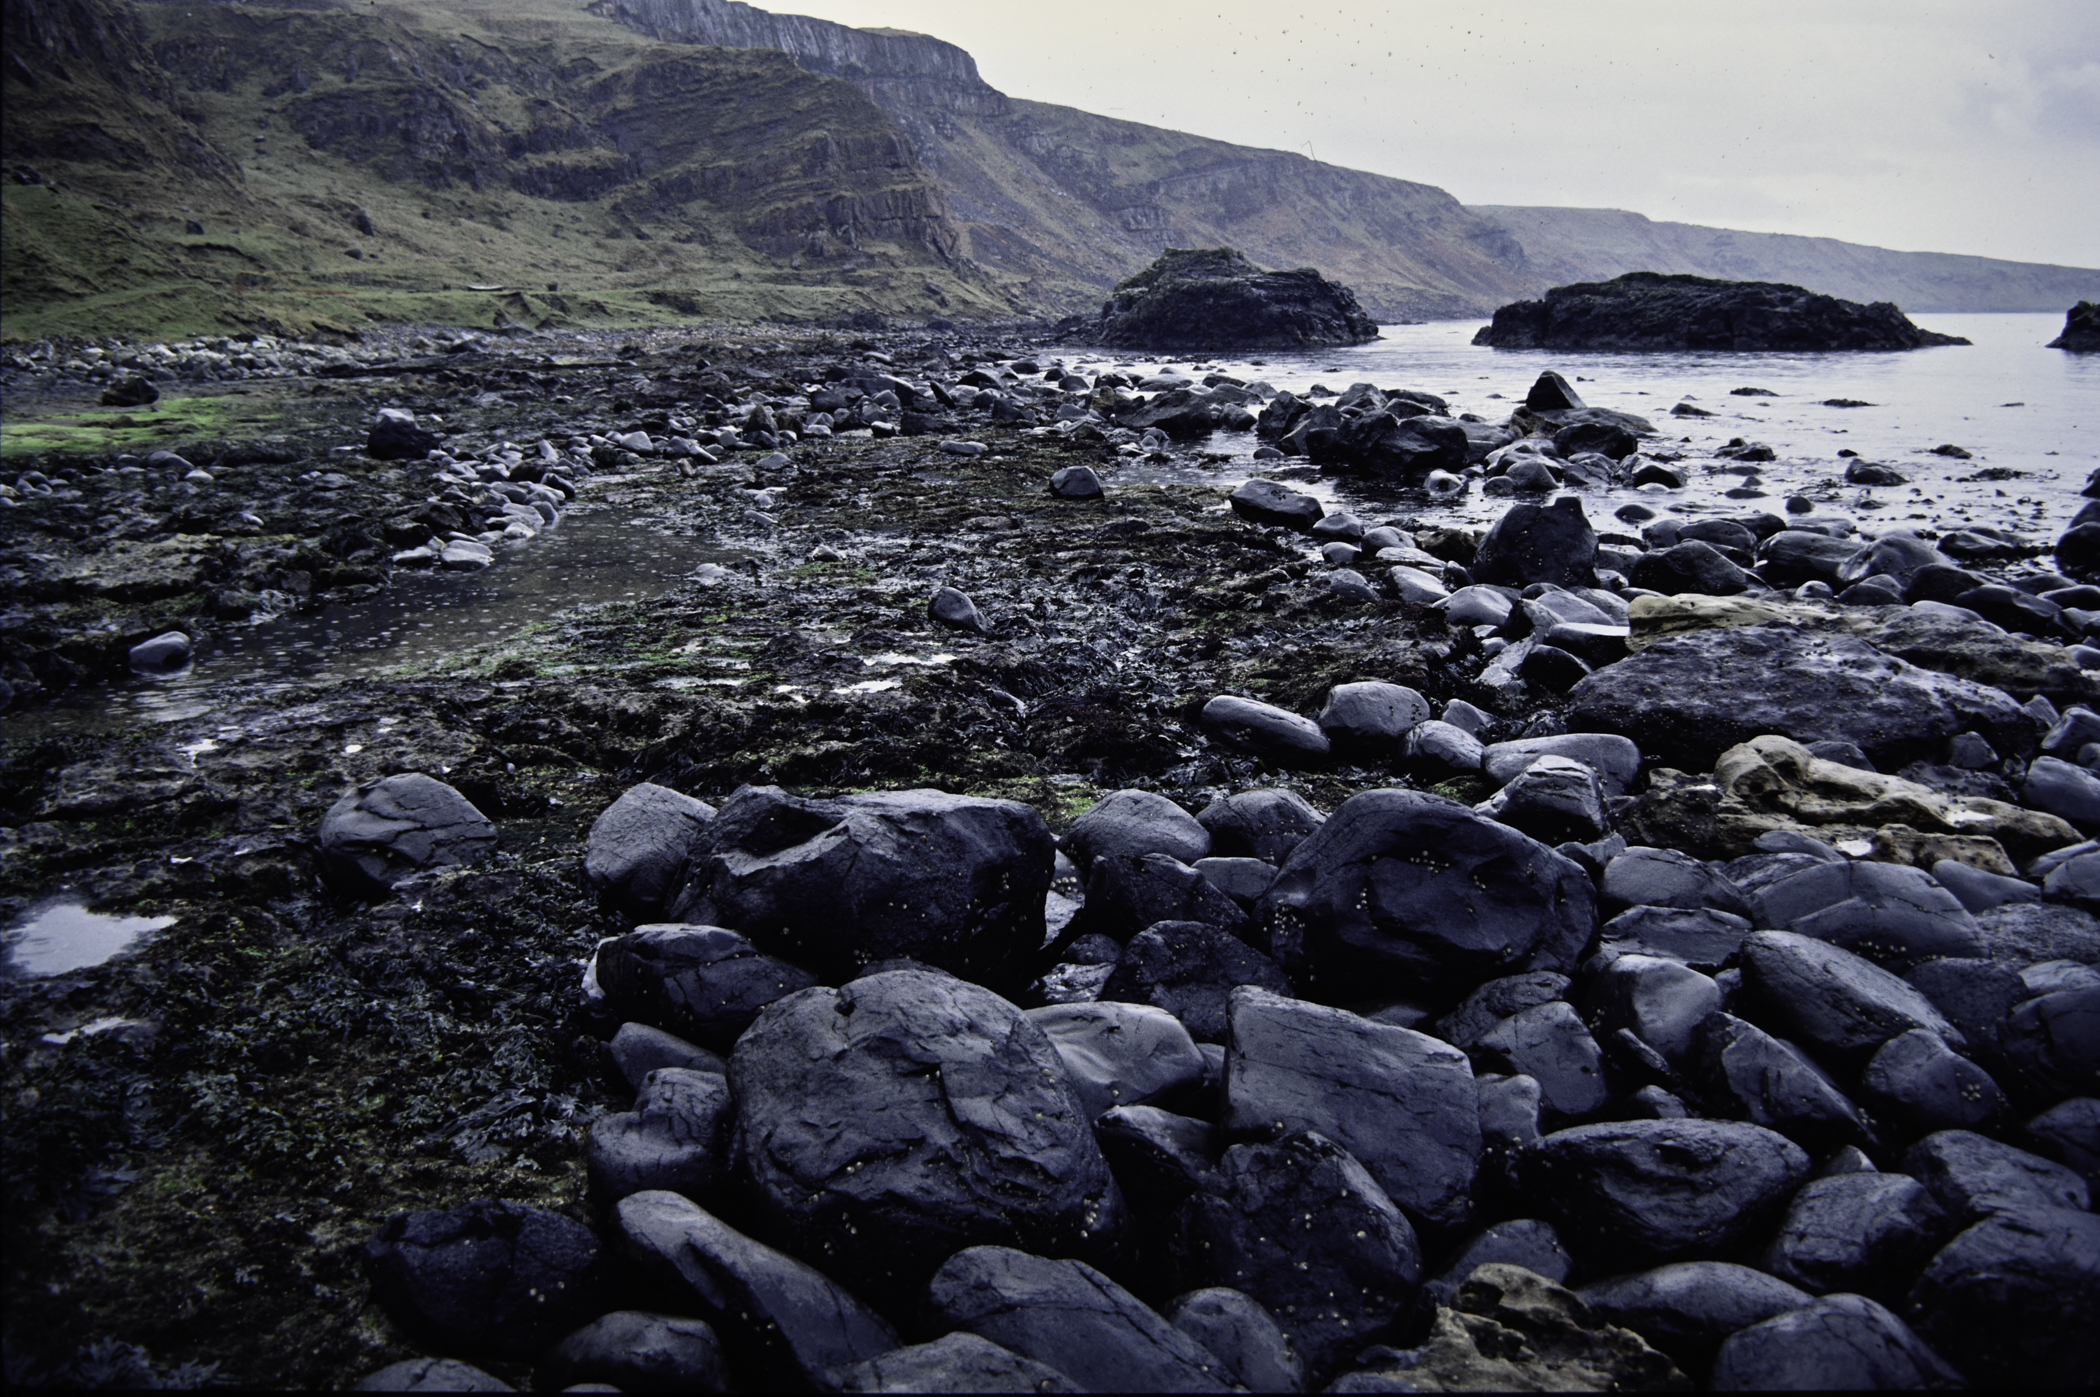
(638, 1352)
(1303, 1228)
(1242, 1334)
(1550, 1044)
(783, 1323)
(1839, 1003)
(1983, 654)
(1189, 969)
(431, 1375)
(2081, 333)
(1076, 483)
(1919, 1084)
(1661, 1003)
(1687, 1308)
(1067, 1315)
(1527, 1242)
(1403, 447)
(638, 1049)
(1615, 760)
(1399, 889)
(398, 438)
(387, 830)
(641, 849)
(954, 881)
(1847, 1342)
(1892, 915)
(1867, 1233)
(1272, 505)
(675, 1139)
(1124, 895)
(1649, 877)
(1260, 824)
(1703, 939)
(1495, 1001)
(1656, 311)
(2015, 1300)
(888, 1123)
(486, 1279)
(1371, 713)
(1554, 799)
(1118, 1054)
(1539, 543)
(1972, 1176)
(1688, 699)
(1691, 566)
(1746, 1073)
(698, 982)
(1132, 822)
(1649, 1191)
(1211, 299)
(958, 1362)
(1264, 728)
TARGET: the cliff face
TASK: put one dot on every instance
(1068, 203)
(1571, 245)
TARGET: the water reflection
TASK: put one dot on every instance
(62, 936)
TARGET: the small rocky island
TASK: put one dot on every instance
(1215, 299)
(2081, 329)
(1653, 311)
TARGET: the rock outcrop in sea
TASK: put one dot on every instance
(2081, 329)
(1653, 311)
(1215, 299)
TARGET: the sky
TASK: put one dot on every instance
(1925, 125)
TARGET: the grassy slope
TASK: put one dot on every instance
(773, 148)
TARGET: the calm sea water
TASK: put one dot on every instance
(2008, 400)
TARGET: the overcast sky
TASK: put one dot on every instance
(1926, 125)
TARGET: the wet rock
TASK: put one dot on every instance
(1495, 1001)
(641, 849)
(1835, 1001)
(2015, 1300)
(1841, 1341)
(1303, 1228)
(487, 1278)
(1750, 1075)
(1795, 556)
(954, 881)
(431, 1375)
(1271, 505)
(1159, 1158)
(1660, 1190)
(1550, 1044)
(1190, 969)
(1539, 543)
(1242, 880)
(1527, 1242)
(1117, 1054)
(1067, 1315)
(1660, 1002)
(398, 438)
(1076, 483)
(1690, 566)
(1980, 891)
(1895, 915)
(1688, 1308)
(676, 1138)
(892, 1121)
(1214, 298)
(638, 1049)
(639, 1352)
(166, 651)
(1649, 877)
(1920, 1084)
(2081, 333)
(386, 830)
(1615, 760)
(1242, 1335)
(1371, 713)
(1130, 823)
(2062, 789)
(957, 611)
(1510, 1330)
(1439, 748)
(782, 1322)
(699, 982)
(958, 1362)
(1264, 728)
(1687, 699)
(1124, 895)
(2069, 1133)
(1398, 888)
(1554, 799)
(1867, 1233)
(131, 390)
(1662, 311)
(463, 555)
(1972, 1176)
(1401, 1102)
(1703, 939)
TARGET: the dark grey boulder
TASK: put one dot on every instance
(1688, 1308)
(1125, 894)
(1487, 1006)
(1067, 1315)
(2052, 1041)
(1210, 299)
(957, 611)
(958, 1362)
(954, 881)
(1972, 1176)
(1159, 1158)
(2069, 1133)
(1689, 567)
(1866, 1233)
(431, 1375)
(1120, 1054)
(1829, 998)
(1399, 890)
(1242, 880)
(1687, 699)
(170, 650)
(1980, 891)
(1304, 1228)
(1131, 823)
(639, 1352)
(1977, 997)
(1510, 1108)
(1401, 1102)
(1076, 483)
(1190, 969)
(1264, 729)
(638, 1049)
(1650, 1191)
(1270, 504)
(1539, 543)
(782, 1322)
(1646, 877)
(2015, 1300)
(2065, 790)
(1403, 445)
(1919, 1084)
(1555, 800)
(675, 1138)
(386, 830)
(1794, 556)
(1703, 939)
(2021, 934)
(1370, 713)
(1242, 1334)
(1261, 824)
(1615, 760)
(1550, 1044)
(1437, 748)
(1531, 1243)
(1846, 1342)
(699, 982)
(1746, 1073)
(486, 1279)
(641, 849)
(890, 1122)
(400, 439)
(1660, 1002)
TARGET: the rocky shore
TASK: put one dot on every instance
(1657, 311)
(1030, 929)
